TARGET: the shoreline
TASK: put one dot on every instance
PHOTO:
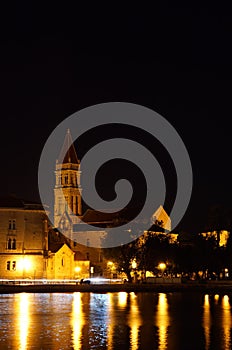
(211, 287)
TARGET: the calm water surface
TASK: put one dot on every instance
(115, 321)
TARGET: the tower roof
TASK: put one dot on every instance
(68, 152)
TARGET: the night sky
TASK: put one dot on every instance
(174, 60)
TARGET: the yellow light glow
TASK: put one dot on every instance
(134, 264)
(23, 320)
(162, 320)
(162, 266)
(134, 322)
(206, 321)
(225, 302)
(25, 264)
(216, 297)
(226, 322)
(77, 269)
(122, 299)
(110, 263)
(78, 321)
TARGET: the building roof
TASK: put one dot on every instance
(12, 201)
(78, 256)
(68, 152)
(56, 240)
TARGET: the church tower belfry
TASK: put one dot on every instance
(67, 191)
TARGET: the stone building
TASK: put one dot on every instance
(92, 225)
(29, 247)
(23, 239)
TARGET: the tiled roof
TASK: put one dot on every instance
(56, 240)
(68, 152)
(11, 201)
(79, 256)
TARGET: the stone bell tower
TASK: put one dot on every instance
(67, 191)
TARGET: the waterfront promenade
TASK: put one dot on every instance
(207, 287)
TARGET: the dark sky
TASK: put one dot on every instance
(175, 60)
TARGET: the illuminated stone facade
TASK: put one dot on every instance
(67, 191)
(23, 239)
(29, 248)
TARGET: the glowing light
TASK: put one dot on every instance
(77, 321)
(122, 299)
(225, 302)
(162, 266)
(110, 263)
(25, 264)
(226, 322)
(134, 321)
(23, 320)
(162, 321)
(216, 297)
(134, 264)
(207, 321)
(77, 269)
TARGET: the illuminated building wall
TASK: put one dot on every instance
(23, 239)
(220, 236)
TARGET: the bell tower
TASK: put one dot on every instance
(67, 191)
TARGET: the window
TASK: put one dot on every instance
(8, 265)
(14, 265)
(9, 243)
(12, 225)
(72, 203)
(14, 244)
(62, 261)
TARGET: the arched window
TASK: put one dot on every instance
(9, 243)
(14, 244)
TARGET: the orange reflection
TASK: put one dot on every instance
(78, 320)
(207, 321)
(134, 321)
(110, 327)
(23, 320)
(226, 321)
(162, 320)
(122, 299)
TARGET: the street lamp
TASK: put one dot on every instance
(134, 266)
(162, 267)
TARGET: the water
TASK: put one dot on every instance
(113, 321)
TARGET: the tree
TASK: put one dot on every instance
(122, 257)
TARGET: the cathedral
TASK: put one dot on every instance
(31, 247)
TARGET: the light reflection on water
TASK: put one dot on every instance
(114, 321)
